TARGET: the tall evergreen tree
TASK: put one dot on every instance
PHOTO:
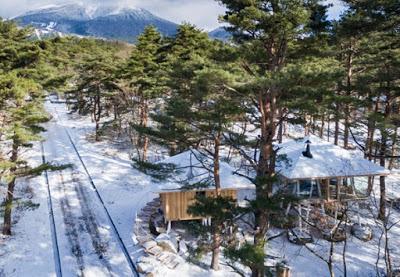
(143, 72)
(210, 110)
(96, 85)
(376, 25)
(199, 109)
(266, 31)
(186, 54)
(21, 105)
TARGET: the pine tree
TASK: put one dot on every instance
(200, 108)
(143, 73)
(376, 22)
(96, 86)
(185, 55)
(211, 110)
(21, 104)
(267, 32)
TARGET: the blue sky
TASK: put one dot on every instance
(203, 13)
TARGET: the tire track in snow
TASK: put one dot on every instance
(71, 231)
(113, 226)
(91, 224)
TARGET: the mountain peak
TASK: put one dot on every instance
(111, 21)
(84, 11)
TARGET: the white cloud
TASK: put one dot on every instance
(203, 13)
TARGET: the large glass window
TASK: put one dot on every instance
(292, 187)
(351, 185)
(308, 188)
(361, 185)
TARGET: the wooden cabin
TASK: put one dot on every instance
(176, 203)
(191, 167)
(314, 169)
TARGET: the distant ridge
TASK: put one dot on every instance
(221, 34)
(109, 22)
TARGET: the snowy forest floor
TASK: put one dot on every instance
(89, 246)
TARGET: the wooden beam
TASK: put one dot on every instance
(330, 177)
(328, 189)
(339, 183)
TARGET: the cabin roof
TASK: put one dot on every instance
(328, 161)
(190, 170)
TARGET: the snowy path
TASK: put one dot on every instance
(88, 242)
(124, 190)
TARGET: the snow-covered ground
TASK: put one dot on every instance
(87, 241)
(30, 248)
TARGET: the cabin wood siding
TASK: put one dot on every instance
(176, 204)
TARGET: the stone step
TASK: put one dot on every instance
(163, 257)
(156, 250)
(143, 239)
(144, 218)
(148, 209)
(145, 214)
(143, 234)
(172, 264)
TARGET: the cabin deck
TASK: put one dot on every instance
(328, 190)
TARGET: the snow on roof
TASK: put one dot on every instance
(191, 170)
(328, 160)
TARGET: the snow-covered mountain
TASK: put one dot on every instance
(110, 22)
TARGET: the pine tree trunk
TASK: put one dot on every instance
(369, 141)
(265, 172)
(216, 251)
(142, 140)
(321, 130)
(382, 156)
(346, 131)
(280, 129)
(259, 240)
(329, 128)
(382, 203)
(372, 129)
(336, 136)
(307, 125)
(10, 191)
(370, 185)
(217, 180)
(347, 108)
(313, 124)
(393, 150)
(81, 103)
(8, 208)
(285, 128)
(145, 118)
(97, 113)
(173, 149)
